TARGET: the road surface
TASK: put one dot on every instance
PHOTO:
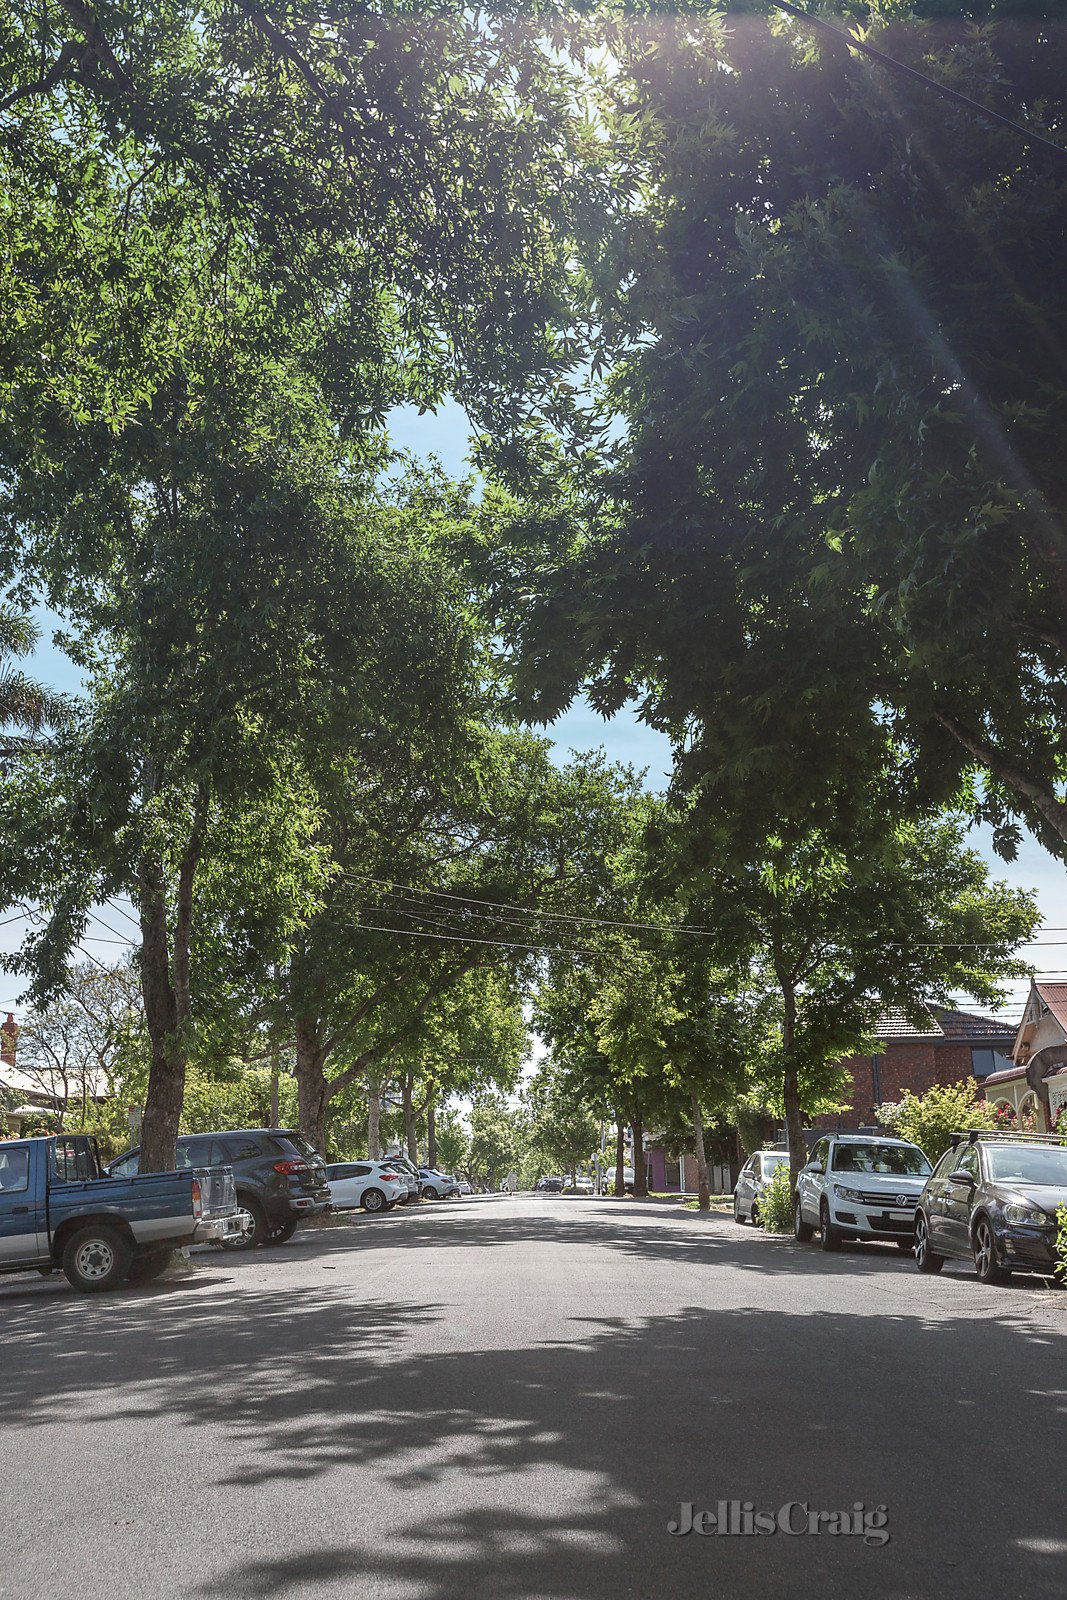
(513, 1398)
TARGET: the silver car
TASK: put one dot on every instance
(755, 1176)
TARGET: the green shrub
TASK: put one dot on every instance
(776, 1202)
(1061, 1243)
(929, 1119)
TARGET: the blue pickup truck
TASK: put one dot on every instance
(58, 1209)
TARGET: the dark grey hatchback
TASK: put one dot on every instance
(992, 1198)
(279, 1176)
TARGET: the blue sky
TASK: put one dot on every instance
(625, 739)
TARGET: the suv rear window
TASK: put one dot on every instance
(302, 1146)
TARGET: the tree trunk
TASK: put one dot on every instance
(275, 1089)
(620, 1156)
(166, 1073)
(794, 1122)
(431, 1135)
(410, 1129)
(640, 1170)
(794, 1119)
(312, 1089)
(791, 1087)
(703, 1191)
(374, 1116)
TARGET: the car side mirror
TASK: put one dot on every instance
(961, 1175)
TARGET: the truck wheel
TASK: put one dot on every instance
(255, 1235)
(149, 1264)
(282, 1233)
(97, 1257)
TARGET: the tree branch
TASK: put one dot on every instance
(1042, 798)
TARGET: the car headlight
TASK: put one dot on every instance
(848, 1194)
(1025, 1216)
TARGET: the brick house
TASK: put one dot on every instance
(949, 1047)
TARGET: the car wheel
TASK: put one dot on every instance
(96, 1258)
(431, 1194)
(925, 1259)
(373, 1200)
(801, 1230)
(755, 1214)
(737, 1211)
(257, 1230)
(283, 1232)
(985, 1254)
(830, 1238)
(149, 1264)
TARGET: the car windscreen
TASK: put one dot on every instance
(1040, 1164)
(886, 1160)
(773, 1159)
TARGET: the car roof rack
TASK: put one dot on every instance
(971, 1135)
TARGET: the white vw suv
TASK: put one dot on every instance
(860, 1186)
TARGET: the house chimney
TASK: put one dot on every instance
(9, 1034)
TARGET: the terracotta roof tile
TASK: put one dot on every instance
(1055, 997)
(972, 1025)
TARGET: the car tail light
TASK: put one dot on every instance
(390, 1177)
(291, 1168)
(198, 1200)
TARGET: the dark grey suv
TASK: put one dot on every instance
(992, 1198)
(279, 1176)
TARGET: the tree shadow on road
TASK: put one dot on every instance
(551, 1470)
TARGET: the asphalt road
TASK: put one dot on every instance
(511, 1399)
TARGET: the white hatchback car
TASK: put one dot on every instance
(860, 1186)
(756, 1174)
(374, 1185)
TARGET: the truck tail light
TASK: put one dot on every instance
(198, 1200)
(291, 1168)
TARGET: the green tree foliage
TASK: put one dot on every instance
(496, 1140)
(219, 229)
(929, 1119)
(562, 1135)
(453, 1143)
(832, 535)
(834, 936)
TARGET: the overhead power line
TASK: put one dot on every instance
(463, 938)
(529, 911)
(891, 63)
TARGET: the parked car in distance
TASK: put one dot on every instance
(437, 1185)
(754, 1177)
(410, 1174)
(992, 1199)
(580, 1186)
(58, 1209)
(464, 1186)
(550, 1185)
(374, 1185)
(279, 1175)
(860, 1186)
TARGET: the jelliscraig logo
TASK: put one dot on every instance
(796, 1519)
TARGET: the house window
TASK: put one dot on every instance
(983, 1062)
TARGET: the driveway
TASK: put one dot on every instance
(512, 1398)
